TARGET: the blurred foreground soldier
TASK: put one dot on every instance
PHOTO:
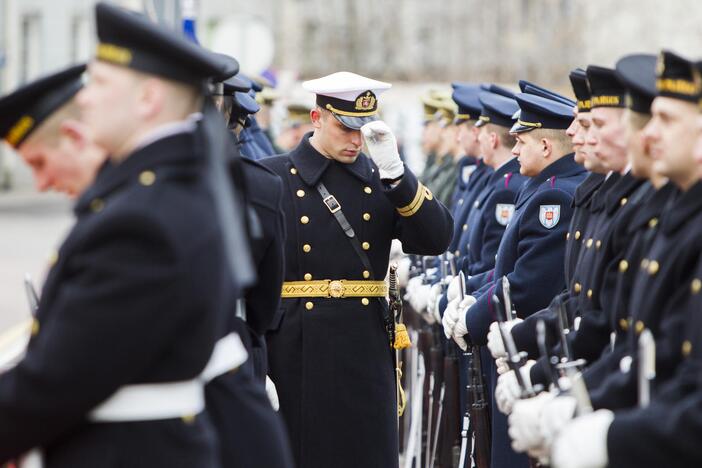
(251, 433)
(431, 132)
(331, 356)
(139, 295)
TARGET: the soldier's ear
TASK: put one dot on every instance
(546, 147)
(316, 117)
(75, 132)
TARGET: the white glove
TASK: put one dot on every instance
(434, 298)
(412, 285)
(449, 318)
(382, 149)
(454, 288)
(583, 442)
(494, 338)
(524, 422)
(403, 271)
(508, 390)
(420, 297)
(460, 329)
(272, 394)
(501, 364)
(555, 415)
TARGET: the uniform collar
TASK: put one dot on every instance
(507, 168)
(617, 196)
(564, 167)
(311, 164)
(585, 190)
(652, 207)
(685, 207)
(597, 201)
(175, 148)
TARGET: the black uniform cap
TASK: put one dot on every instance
(22, 111)
(675, 77)
(129, 39)
(581, 89)
(638, 73)
(605, 87)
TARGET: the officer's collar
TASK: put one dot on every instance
(585, 190)
(180, 147)
(564, 167)
(685, 207)
(620, 191)
(311, 164)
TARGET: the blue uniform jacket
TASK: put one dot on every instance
(531, 253)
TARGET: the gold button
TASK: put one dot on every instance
(306, 248)
(308, 277)
(589, 243)
(188, 418)
(639, 326)
(304, 220)
(686, 348)
(35, 327)
(623, 201)
(368, 190)
(97, 205)
(623, 266)
(653, 267)
(365, 246)
(465, 227)
(147, 178)
(365, 301)
(577, 235)
(53, 258)
(366, 216)
(366, 274)
(598, 244)
(653, 222)
(300, 193)
(577, 288)
(589, 293)
(293, 171)
(567, 235)
(644, 263)
(696, 286)
(309, 305)
(624, 324)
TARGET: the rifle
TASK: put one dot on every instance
(479, 414)
(563, 328)
(509, 311)
(647, 366)
(543, 350)
(466, 435)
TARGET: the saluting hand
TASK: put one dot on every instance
(382, 149)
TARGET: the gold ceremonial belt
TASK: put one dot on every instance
(334, 288)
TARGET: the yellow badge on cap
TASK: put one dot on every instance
(365, 102)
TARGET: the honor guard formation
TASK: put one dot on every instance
(231, 298)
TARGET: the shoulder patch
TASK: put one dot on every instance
(549, 215)
(504, 213)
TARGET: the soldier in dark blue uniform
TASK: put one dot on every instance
(532, 247)
(330, 357)
(141, 289)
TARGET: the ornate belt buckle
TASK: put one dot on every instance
(336, 289)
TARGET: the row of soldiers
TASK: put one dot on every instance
(571, 285)
(204, 286)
